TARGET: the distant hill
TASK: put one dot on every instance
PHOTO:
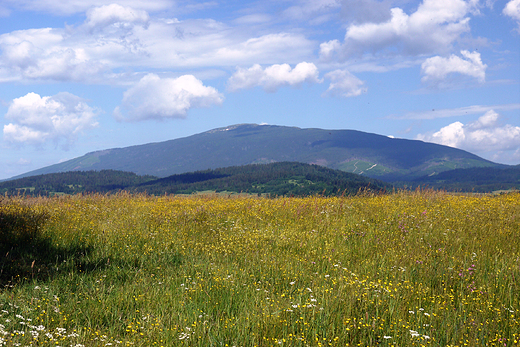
(280, 179)
(479, 180)
(276, 179)
(347, 150)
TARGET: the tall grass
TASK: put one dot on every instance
(407, 269)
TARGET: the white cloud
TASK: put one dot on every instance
(344, 84)
(432, 28)
(483, 135)
(161, 98)
(69, 7)
(273, 77)
(115, 15)
(436, 69)
(37, 120)
(512, 9)
(114, 38)
(41, 54)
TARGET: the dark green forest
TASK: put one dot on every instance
(279, 179)
(276, 179)
(73, 182)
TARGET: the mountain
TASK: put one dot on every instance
(278, 179)
(347, 150)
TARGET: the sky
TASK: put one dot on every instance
(77, 76)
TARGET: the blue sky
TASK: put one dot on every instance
(83, 75)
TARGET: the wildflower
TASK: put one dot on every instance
(387, 337)
(183, 336)
(292, 283)
(414, 333)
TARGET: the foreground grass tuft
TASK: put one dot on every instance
(407, 269)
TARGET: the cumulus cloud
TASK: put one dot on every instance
(37, 120)
(436, 69)
(273, 77)
(432, 28)
(344, 84)
(483, 135)
(115, 15)
(512, 9)
(161, 98)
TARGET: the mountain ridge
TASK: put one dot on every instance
(373, 155)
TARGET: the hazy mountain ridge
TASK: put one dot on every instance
(478, 179)
(347, 150)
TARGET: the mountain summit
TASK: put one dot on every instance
(348, 150)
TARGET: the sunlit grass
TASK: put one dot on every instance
(406, 269)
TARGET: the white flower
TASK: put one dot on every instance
(183, 336)
(292, 283)
(414, 333)
(387, 337)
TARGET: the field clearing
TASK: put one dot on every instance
(417, 268)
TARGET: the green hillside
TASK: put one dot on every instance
(278, 179)
(347, 150)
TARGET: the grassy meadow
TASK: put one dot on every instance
(417, 268)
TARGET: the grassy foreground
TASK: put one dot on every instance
(407, 269)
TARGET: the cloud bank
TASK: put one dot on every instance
(116, 37)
